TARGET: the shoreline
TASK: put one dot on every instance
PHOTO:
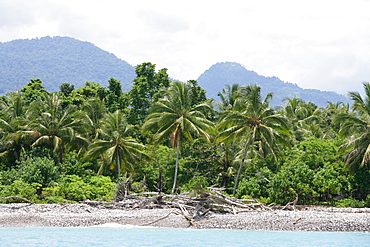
(306, 218)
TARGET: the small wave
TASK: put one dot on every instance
(116, 225)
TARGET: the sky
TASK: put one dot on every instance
(318, 44)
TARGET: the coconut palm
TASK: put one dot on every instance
(14, 136)
(229, 156)
(115, 146)
(228, 95)
(253, 122)
(13, 106)
(173, 117)
(302, 116)
(329, 114)
(91, 114)
(56, 127)
(355, 126)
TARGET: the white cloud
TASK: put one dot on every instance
(12, 15)
(161, 22)
(316, 44)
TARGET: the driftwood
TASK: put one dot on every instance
(296, 221)
(191, 205)
(15, 197)
(149, 223)
(200, 203)
(291, 205)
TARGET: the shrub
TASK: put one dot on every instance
(196, 183)
(292, 179)
(103, 187)
(73, 166)
(350, 202)
(329, 182)
(160, 167)
(8, 177)
(74, 189)
(21, 189)
(52, 195)
(314, 152)
(367, 201)
(255, 186)
(38, 170)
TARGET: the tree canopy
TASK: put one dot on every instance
(168, 136)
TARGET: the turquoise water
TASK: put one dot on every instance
(127, 236)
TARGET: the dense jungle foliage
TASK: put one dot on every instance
(81, 143)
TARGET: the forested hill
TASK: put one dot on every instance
(56, 60)
(228, 73)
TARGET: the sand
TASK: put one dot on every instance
(83, 215)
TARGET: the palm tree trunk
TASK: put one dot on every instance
(240, 169)
(177, 164)
(118, 165)
(226, 164)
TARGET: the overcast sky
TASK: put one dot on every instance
(320, 44)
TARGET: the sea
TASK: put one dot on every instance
(119, 235)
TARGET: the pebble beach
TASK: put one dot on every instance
(307, 218)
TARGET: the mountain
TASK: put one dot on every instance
(217, 76)
(56, 60)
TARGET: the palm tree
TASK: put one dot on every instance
(355, 126)
(229, 94)
(56, 127)
(229, 156)
(115, 145)
(13, 106)
(14, 136)
(174, 117)
(252, 121)
(329, 114)
(302, 116)
(91, 114)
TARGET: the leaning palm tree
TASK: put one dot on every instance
(174, 117)
(252, 121)
(115, 146)
(355, 126)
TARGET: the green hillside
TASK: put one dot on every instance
(215, 78)
(56, 60)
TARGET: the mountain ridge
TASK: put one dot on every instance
(56, 60)
(228, 73)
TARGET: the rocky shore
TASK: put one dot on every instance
(306, 218)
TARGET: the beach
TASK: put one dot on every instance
(305, 218)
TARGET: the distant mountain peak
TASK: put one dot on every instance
(220, 74)
(56, 60)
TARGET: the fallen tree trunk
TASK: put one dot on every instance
(291, 205)
(191, 205)
(15, 197)
(154, 221)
